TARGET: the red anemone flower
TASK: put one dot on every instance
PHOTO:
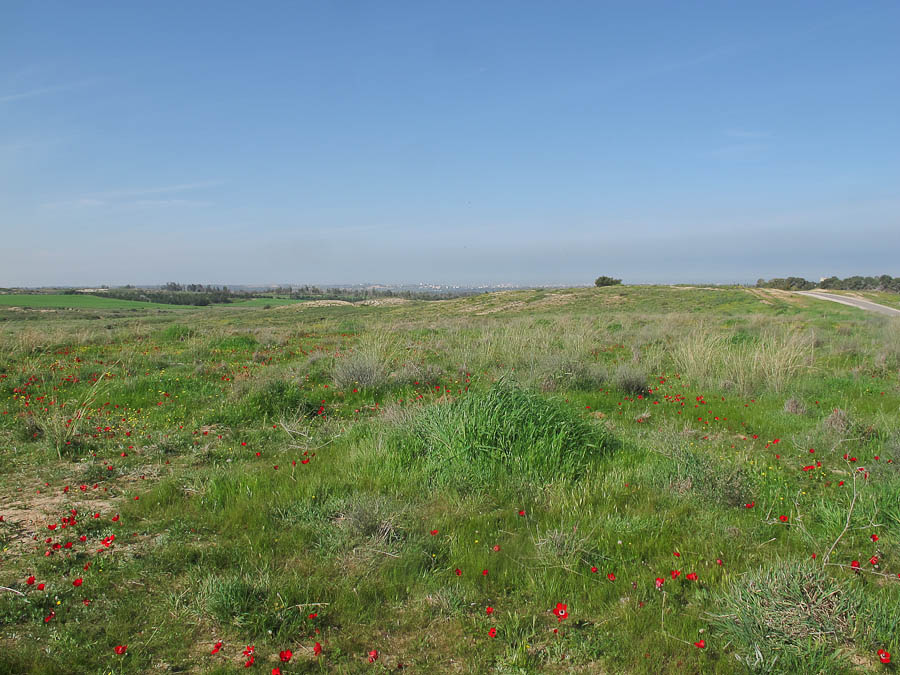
(561, 611)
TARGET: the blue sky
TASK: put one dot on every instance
(465, 142)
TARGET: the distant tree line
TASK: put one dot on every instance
(199, 295)
(359, 294)
(176, 294)
(885, 282)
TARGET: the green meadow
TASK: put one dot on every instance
(617, 480)
(62, 301)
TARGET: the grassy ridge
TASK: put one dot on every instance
(376, 478)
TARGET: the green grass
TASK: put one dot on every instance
(345, 475)
(504, 431)
(36, 301)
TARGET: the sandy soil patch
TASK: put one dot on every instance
(385, 302)
(317, 303)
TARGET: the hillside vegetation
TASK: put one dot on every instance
(619, 479)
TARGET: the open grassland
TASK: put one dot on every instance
(642, 480)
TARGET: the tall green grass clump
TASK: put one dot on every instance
(177, 332)
(750, 365)
(505, 430)
(269, 401)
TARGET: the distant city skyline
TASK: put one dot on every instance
(468, 143)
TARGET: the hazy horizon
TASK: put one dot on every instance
(522, 143)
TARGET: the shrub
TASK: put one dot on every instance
(233, 598)
(422, 373)
(366, 367)
(696, 473)
(630, 379)
(838, 421)
(559, 372)
(236, 343)
(178, 332)
(794, 406)
(789, 614)
(606, 281)
(505, 430)
(271, 400)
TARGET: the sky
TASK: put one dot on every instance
(447, 142)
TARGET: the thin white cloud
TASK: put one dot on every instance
(126, 198)
(137, 192)
(747, 133)
(74, 203)
(43, 91)
(167, 202)
(740, 151)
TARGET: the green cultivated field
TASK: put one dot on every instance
(40, 301)
(617, 480)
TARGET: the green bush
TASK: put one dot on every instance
(506, 430)
(236, 343)
(272, 400)
(178, 332)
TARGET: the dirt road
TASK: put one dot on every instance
(853, 302)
